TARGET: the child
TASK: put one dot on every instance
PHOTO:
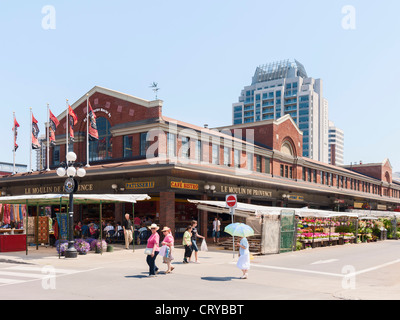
(187, 242)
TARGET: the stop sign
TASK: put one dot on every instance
(231, 200)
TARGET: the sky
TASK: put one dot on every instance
(202, 54)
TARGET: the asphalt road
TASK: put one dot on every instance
(350, 272)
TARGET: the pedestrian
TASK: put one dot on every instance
(244, 257)
(187, 242)
(128, 231)
(195, 235)
(216, 229)
(153, 243)
(169, 242)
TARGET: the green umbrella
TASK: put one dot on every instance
(239, 230)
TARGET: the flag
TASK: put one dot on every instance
(35, 134)
(93, 132)
(53, 121)
(73, 120)
(16, 125)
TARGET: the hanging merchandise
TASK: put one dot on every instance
(7, 214)
(1, 214)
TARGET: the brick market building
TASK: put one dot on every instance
(142, 151)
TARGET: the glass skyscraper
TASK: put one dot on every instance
(282, 88)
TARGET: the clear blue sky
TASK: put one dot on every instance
(202, 54)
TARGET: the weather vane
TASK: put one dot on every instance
(155, 87)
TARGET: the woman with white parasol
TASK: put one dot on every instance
(242, 230)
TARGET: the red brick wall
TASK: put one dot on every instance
(121, 112)
(167, 210)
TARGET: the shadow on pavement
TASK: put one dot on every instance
(219, 278)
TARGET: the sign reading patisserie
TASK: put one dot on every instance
(140, 185)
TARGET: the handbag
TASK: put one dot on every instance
(148, 251)
(163, 251)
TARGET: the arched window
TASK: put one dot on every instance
(287, 148)
(101, 149)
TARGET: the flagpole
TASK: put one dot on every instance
(66, 137)
(48, 138)
(87, 131)
(14, 145)
(30, 144)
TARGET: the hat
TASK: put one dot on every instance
(166, 229)
(154, 226)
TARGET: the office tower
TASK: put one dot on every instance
(336, 145)
(282, 88)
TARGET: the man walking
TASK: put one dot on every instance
(128, 230)
(216, 229)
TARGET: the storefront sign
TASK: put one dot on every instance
(358, 205)
(139, 185)
(245, 191)
(295, 197)
(183, 185)
(56, 189)
(381, 207)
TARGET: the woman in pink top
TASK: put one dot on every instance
(169, 242)
(153, 243)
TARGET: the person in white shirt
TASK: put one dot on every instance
(216, 229)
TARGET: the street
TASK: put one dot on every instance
(350, 272)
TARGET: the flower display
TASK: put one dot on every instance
(97, 244)
(82, 246)
(62, 247)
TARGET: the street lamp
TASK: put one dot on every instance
(71, 186)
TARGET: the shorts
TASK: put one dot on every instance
(215, 233)
(194, 246)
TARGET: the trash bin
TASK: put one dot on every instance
(383, 233)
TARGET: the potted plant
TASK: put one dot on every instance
(62, 247)
(98, 245)
(82, 246)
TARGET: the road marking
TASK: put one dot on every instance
(10, 281)
(324, 261)
(299, 270)
(40, 269)
(10, 276)
(327, 273)
(374, 268)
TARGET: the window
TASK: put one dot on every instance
(143, 143)
(215, 154)
(101, 149)
(286, 171)
(185, 147)
(171, 145)
(128, 153)
(250, 162)
(282, 168)
(267, 165)
(236, 158)
(258, 163)
(56, 155)
(198, 153)
(227, 156)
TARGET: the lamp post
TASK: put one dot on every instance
(71, 186)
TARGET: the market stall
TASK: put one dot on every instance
(12, 227)
(313, 227)
(40, 228)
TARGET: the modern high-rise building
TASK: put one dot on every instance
(282, 88)
(336, 145)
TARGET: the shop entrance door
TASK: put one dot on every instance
(288, 231)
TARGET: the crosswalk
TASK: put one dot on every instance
(17, 274)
